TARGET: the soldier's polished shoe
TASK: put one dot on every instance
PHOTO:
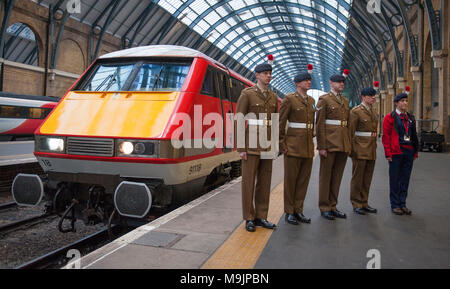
(398, 211)
(290, 219)
(250, 226)
(301, 218)
(359, 211)
(327, 215)
(406, 211)
(338, 214)
(264, 223)
(369, 209)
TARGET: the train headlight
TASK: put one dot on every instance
(55, 144)
(137, 148)
(126, 148)
(50, 144)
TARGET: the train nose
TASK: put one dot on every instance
(27, 190)
(132, 199)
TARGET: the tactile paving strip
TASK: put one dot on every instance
(242, 249)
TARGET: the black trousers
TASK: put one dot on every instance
(399, 174)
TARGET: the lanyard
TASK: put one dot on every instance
(405, 122)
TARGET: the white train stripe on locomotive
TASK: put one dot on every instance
(171, 174)
(7, 124)
(22, 102)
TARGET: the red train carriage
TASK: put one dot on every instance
(21, 115)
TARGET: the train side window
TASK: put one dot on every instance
(216, 81)
(207, 87)
(236, 90)
(222, 81)
(8, 111)
(35, 112)
(45, 112)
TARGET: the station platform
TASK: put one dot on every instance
(16, 152)
(209, 232)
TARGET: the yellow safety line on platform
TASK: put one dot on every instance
(242, 249)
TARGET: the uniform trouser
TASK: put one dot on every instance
(297, 172)
(362, 173)
(399, 173)
(261, 169)
(330, 176)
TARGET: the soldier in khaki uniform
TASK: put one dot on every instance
(363, 133)
(297, 146)
(257, 100)
(333, 143)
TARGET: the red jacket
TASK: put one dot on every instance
(391, 140)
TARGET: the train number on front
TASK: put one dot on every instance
(195, 169)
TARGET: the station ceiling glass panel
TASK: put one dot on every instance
(295, 32)
(333, 35)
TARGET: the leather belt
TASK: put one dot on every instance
(301, 125)
(342, 123)
(366, 133)
(259, 122)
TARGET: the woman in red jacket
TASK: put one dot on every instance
(400, 146)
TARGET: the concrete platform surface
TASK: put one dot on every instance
(16, 152)
(209, 232)
(421, 240)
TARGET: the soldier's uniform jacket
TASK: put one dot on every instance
(298, 141)
(362, 119)
(333, 138)
(252, 100)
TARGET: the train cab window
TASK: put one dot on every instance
(109, 77)
(207, 87)
(160, 77)
(136, 75)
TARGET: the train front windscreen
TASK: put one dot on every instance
(136, 76)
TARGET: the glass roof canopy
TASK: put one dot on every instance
(295, 32)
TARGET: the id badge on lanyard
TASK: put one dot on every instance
(406, 137)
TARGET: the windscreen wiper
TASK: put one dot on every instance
(103, 82)
(110, 79)
(158, 76)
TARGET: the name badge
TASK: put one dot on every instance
(407, 138)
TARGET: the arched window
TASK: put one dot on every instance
(20, 45)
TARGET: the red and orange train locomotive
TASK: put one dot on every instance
(107, 145)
